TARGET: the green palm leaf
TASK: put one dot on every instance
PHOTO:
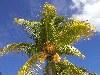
(26, 68)
(70, 50)
(32, 27)
(28, 48)
(67, 68)
(73, 30)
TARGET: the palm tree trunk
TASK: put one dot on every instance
(50, 68)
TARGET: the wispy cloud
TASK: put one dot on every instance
(63, 7)
(87, 10)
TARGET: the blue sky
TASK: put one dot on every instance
(30, 9)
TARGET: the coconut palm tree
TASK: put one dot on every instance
(54, 36)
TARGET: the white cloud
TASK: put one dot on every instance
(89, 11)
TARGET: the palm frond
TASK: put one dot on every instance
(28, 48)
(26, 68)
(32, 27)
(67, 68)
(70, 50)
(72, 30)
(49, 10)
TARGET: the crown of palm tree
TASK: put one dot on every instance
(54, 36)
